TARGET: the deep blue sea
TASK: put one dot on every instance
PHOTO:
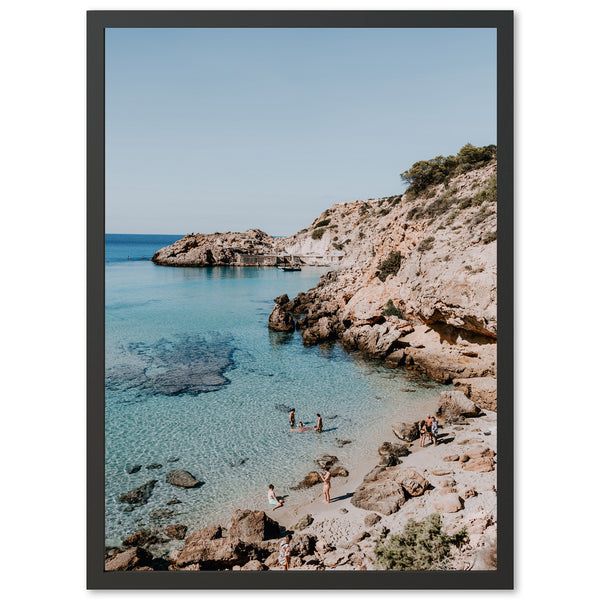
(196, 381)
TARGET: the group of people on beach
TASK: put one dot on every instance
(325, 475)
(318, 427)
(428, 431)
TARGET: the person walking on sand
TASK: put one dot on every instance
(284, 552)
(326, 477)
(292, 418)
(273, 500)
(319, 425)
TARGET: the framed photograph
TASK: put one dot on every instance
(300, 299)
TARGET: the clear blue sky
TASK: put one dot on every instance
(227, 129)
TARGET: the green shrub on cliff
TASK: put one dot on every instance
(422, 546)
(391, 310)
(317, 234)
(439, 169)
(389, 266)
(426, 244)
(323, 223)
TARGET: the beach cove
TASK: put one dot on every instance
(226, 425)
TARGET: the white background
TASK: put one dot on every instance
(43, 299)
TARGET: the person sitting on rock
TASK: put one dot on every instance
(273, 500)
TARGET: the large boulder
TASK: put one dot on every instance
(303, 523)
(387, 490)
(480, 465)
(141, 538)
(302, 544)
(279, 320)
(327, 461)
(481, 390)
(323, 329)
(129, 559)
(181, 478)
(448, 503)
(217, 553)
(176, 532)
(456, 404)
(309, 480)
(384, 494)
(213, 532)
(252, 526)
(414, 483)
(139, 495)
(407, 432)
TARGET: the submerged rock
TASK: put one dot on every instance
(161, 513)
(176, 532)
(183, 479)
(183, 365)
(131, 469)
(139, 495)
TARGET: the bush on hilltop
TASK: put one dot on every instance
(439, 169)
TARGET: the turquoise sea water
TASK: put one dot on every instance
(194, 374)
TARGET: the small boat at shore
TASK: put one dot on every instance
(290, 268)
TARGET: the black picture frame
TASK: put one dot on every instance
(97, 578)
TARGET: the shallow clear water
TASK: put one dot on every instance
(172, 334)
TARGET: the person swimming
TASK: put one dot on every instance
(292, 418)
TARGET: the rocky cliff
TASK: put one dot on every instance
(421, 288)
(415, 274)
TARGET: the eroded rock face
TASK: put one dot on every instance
(252, 526)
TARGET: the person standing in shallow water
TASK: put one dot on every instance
(292, 418)
(319, 425)
(326, 477)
